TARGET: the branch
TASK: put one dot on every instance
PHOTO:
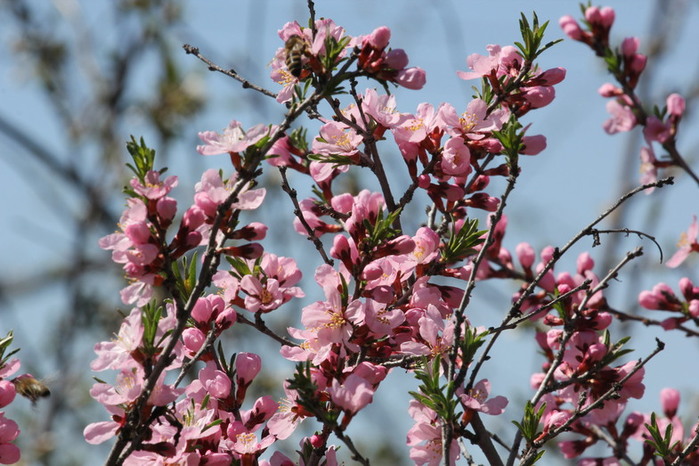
(231, 73)
(299, 214)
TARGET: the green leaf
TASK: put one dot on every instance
(530, 421)
(462, 244)
(143, 157)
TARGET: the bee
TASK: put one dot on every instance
(30, 387)
(296, 48)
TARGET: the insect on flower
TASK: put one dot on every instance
(296, 48)
(30, 387)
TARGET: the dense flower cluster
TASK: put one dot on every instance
(395, 292)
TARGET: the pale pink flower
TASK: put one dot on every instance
(117, 354)
(675, 105)
(351, 395)
(382, 108)
(233, 139)
(500, 60)
(622, 118)
(687, 244)
(648, 169)
(336, 139)
(215, 381)
(154, 188)
(456, 158)
(212, 191)
(477, 399)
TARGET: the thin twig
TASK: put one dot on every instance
(299, 214)
(191, 50)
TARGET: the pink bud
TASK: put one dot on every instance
(592, 15)
(193, 239)
(255, 231)
(247, 366)
(372, 272)
(570, 27)
(689, 291)
(411, 78)
(193, 218)
(250, 251)
(675, 104)
(193, 339)
(226, 318)
(525, 254)
(397, 59)
(609, 90)
(552, 76)
(166, 208)
(607, 14)
(423, 181)
(9, 452)
(316, 441)
(7, 393)
(585, 262)
(379, 37)
(638, 63)
(215, 382)
(533, 144)
(404, 244)
(340, 247)
(539, 96)
(670, 400)
(205, 204)
(629, 46)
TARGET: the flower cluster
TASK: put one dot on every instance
(626, 64)
(395, 292)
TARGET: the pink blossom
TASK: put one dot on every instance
(425, 437)
(154, 188)
(382, 108)
(622, 119)
(503, 61)
(686, 244)
(353, 394)
(411, 78)
(212, 191)
(216, 382)
(336, 139)
(233, 139)
(477, 399)
(261, 297)
(117, 354)
(456, 158)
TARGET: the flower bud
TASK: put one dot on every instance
(166, 208)
(675, 105)
(570, 27)
(670, 400)
(397, 59)
(247, 366)
(7, 393)
(379, 37)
